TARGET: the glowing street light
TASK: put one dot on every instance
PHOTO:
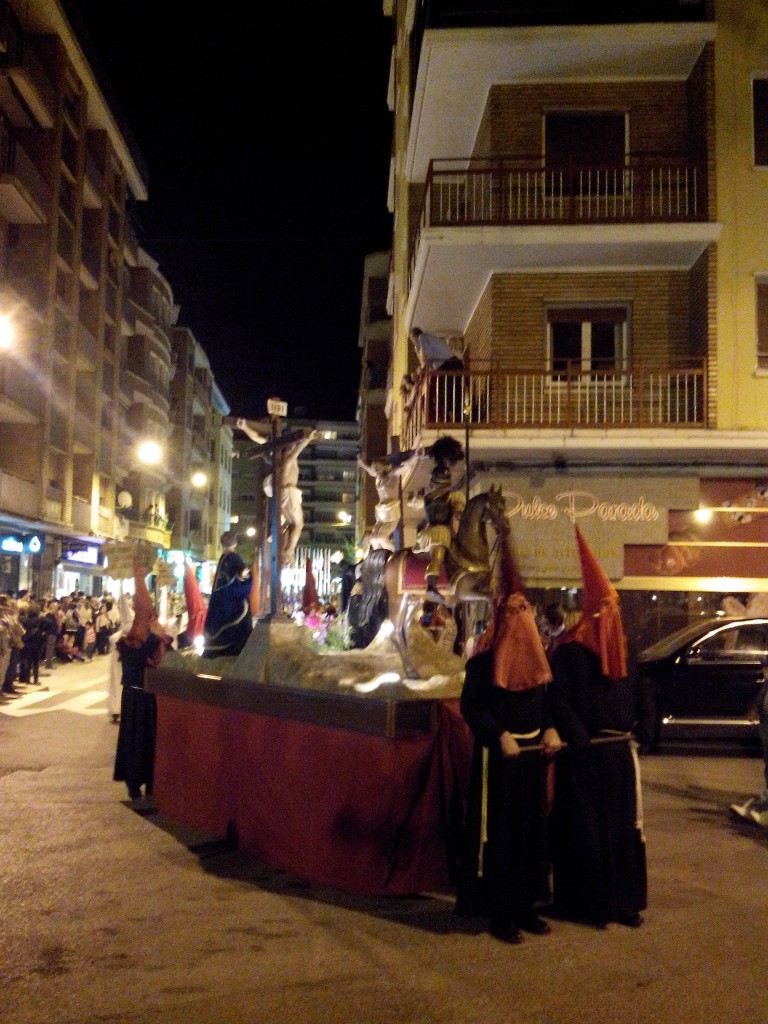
(251, 531)
(345, 517)
(7, 334)
(199, 479)
(149, 452)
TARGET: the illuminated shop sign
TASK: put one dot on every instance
(84, 556)
(611, 512)
(21, 544)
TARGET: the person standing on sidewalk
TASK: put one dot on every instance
(596, 829)
(142, 645)
(756, 808)
(50, 624)
(504, 870)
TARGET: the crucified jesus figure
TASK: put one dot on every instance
(387, 476)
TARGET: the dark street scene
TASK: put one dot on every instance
(384, 512)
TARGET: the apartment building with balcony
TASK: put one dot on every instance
(193, 447)
(579, 201)
(88, 369)
(375, 344)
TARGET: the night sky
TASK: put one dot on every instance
(267, 138)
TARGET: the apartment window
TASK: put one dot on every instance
(585, 138)
(762, 324)
(760, 120)
(592, 338)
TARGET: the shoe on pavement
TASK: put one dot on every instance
(743, 810)
(759, 817)
(507, 933)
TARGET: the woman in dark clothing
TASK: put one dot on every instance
(597, 841)
(504, 871)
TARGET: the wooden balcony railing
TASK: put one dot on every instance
(513, 191)
(571, 398)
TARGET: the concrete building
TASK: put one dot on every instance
(375, 343)
(86, 363)
(579, 200)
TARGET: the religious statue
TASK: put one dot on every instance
(442, 506)
(228, 620)
(387, 474)
(291, 512)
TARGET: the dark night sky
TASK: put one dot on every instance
(267, 138)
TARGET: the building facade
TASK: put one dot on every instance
(85, 316)
(375, 343)
(578, 209)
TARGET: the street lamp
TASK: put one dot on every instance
(199, 479)
(7, 334)
(149, 452)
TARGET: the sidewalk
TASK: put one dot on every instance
(113, 914)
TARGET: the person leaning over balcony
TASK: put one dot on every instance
(434, 351)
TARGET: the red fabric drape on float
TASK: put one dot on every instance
(362, 813)
(254, 597)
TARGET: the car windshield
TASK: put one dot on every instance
(682, 637)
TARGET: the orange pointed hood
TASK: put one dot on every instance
(519, 659)
(600, 629)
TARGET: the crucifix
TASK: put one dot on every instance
(283, 490)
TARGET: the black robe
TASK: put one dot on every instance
(596, 838)
(135, 754)
(505, 877)
(228, 619)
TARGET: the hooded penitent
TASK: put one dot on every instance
(519, 659)
(600, 629)
(196, 606)
(309, 599)
(145, 620)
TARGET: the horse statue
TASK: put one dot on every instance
(466, 573)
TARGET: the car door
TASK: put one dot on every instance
(719, 675)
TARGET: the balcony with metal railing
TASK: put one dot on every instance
(516, 191)
(638, 397)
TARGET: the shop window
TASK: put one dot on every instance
(760, 120)
(593, 339)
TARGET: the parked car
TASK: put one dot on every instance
(705, 680)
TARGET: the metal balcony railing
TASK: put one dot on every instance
(514, 191)
(570, 398)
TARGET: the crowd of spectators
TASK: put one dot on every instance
(36, 634)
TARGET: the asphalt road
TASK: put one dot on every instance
(111, 913)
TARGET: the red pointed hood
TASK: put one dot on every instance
(196, 606)
(309, 599)
(145, 620)
(600, 629)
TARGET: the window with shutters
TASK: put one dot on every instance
(587, 338)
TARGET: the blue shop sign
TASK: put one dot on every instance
(22, 544)
(89, 554)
